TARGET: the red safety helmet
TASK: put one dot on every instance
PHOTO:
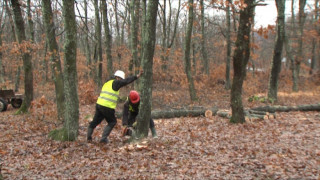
(134, 97)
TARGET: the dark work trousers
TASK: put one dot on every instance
(103, 113)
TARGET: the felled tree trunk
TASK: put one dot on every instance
(308, 107)
(173, 113)
(250, 115)
(181, 113)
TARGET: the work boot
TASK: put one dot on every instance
(154, 133)
(89, 134)
(105, 134)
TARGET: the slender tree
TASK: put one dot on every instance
(30, 21)
(11, 21)
(70, 129)
(172, 37)
(54, 56)
(108, 40)
(26, 57)
(115, 8)
(203, 41)
(98, 37)
(287, 42)
(299, 57)
(314, 40)
(187, 61)
(164, 37)
(1, 30)
(168, 33)
(240, 60)
(277, 52)
(87, 45)
(228, 37)
(149, 38)
(135, 64)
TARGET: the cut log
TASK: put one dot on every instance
(250, 115)
(173, 113)
(258, 112)
(308, 107)
(208, 113)
(224, 114)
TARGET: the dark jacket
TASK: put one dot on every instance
(130, 112)
(117, 84)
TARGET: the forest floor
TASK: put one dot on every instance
(287, 147)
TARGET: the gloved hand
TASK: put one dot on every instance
(134, 124)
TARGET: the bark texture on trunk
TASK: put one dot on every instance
(187, 61)
(26, 57)
(98, 37)
(108, 41)
(277, 52)
(54, 56)
(228, 37)
(203, 41)
(149, 38)
(240, 60)
(70, 129)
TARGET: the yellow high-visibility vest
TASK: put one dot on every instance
(108, 97)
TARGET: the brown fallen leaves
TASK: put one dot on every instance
(187, 148)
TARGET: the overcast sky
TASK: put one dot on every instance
(268, 14)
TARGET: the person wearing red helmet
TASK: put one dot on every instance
(131, 111)
(107, 103)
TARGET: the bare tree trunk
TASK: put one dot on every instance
(135, 6)
(168, 37)
(299, 56)
(115, 8)
(173, 37)
(147, 63)
(88, 51)
(70, 129)
(26, 56)
(11, 21)
(1, 66)
(108, 42)
(187, 61)
(126, 20)
(17, 79)
(314, 40)
(289, 51)
(240, 60)
(30, 21)
(14, 39)
(164, 65)
(277, 52)
(54, 56)
(203, 42)
(228, 37)
(45, 64)
(98, 41)
(143, 25)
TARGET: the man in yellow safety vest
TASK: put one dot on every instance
(107, 103)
